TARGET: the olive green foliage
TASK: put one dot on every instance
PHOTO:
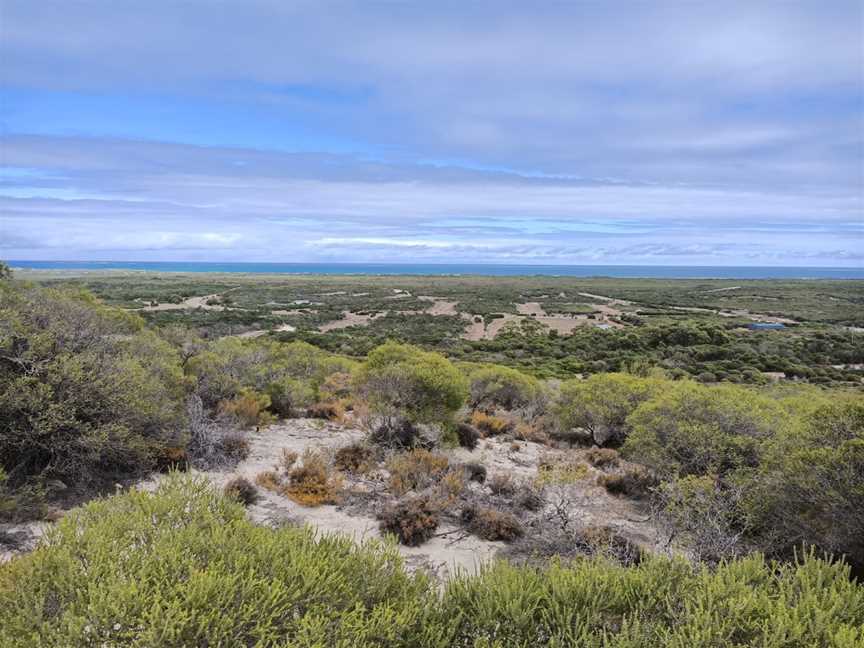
(774, 469)
(289, 374)
(5, 271)
(495, 386)
(84, 390)
(602, 403)
(402, 382)
(183, 567)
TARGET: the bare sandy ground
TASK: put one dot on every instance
(349, 318)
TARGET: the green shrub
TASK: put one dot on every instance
(183, 567)
(85, 393)
(496, 386)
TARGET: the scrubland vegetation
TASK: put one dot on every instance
(756, 491)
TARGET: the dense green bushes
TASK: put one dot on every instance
(84, 390)
(183, 567)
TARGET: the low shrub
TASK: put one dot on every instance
(401, 435)
(529, 497)
(234, 447)
(354, 458)
(515, 447)
(490, 524)
(475, 472)
(467, 435)
(602, 457)
(412, 520)
(531, 433)
(415, 470)
(608, 543)
(636, 482)
(287, 459)
(241, 490)
(451, 487)
(560, 469)
(248, 408)
(490, 425)
(171, 458)
(312, 483)
(501, 484)
(270, 480)
(329, 411)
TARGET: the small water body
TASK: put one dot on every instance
(443, 269)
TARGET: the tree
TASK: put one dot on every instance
(5, 271)
(602, 403)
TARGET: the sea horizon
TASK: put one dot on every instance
(444, 269)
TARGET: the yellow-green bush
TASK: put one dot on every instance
(183, 567)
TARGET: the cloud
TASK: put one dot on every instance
(691, 132)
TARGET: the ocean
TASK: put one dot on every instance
(619, 271)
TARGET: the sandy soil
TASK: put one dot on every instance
(189, 304)
(349, 318)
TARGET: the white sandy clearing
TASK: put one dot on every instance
(349, 318)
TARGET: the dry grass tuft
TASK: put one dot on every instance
(490, 425)
(602, 457)
(416, 470)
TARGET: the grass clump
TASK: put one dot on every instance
(560, 470)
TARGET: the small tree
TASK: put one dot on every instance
(5, 271)
(602, 403)
(496, 386)
(403, 384)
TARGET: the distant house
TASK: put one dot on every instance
(765, 326)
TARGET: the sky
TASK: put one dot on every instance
(644, 133)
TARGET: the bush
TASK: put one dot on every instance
(234, 447)
(529, 497)
(412, 520)
(402, 383)
(635, 481)
(496, 386)
(193, 571)
(416, 470)
(331, 411)
(501, 484)
(248, 408)
(241, 490)
(490, 524)
(490, 425)
(86, 395)
(467, 435)
(602, 457)
(354, 458)
(289, 396)
(602, 403)
(560, 469)
(531, 433)
(312, 483)
(475, 472)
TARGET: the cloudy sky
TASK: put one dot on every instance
(702, 133)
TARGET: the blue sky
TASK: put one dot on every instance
(668, 133)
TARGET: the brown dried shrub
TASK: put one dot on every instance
(415, 470)
(312, 483)
(636, 482)
(602, 457)
(530, 433)
(475, 472)
(270, 480)
(451, 487)
(607, 542)
(354, 458)
(515, 447)
(171, 458)
(490, 524)
(330, 411)
(412, 520)
(501, 484)
(287, 459)
(241, 490)
(490, 425)
(468, 435)
(529, 497)
(234, 446)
